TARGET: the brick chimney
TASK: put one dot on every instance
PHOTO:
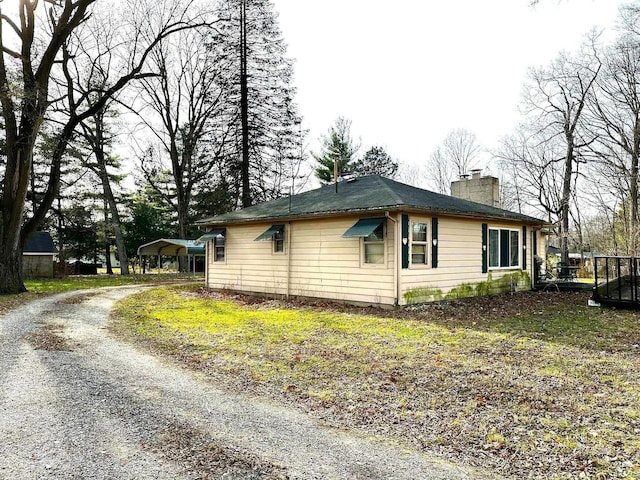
(477, 188)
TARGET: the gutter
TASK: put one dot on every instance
(395, 209)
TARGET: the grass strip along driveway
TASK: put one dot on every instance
(49, 286)
(535, 385)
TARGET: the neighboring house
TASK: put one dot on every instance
(371, 240)
(37, 257)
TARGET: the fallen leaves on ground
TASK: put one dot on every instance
(205, 459)
(534, 385)
(50, 338)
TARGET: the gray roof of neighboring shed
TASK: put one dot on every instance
(370, 193)
(40, 242)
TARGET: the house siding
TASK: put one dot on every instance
(459, 270)
(319, 262)
(248, 266)
(322, 263)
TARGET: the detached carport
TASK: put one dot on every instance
(173, 247)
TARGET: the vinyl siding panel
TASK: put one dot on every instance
(318, 262)
(459, 260)
(322, 263)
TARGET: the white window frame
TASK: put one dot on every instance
(275, 240)
(426, 243)
(215, 248)
(518, 248)
(363, 248)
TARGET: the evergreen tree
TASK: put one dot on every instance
(337, 148)
(376, 161)
(266, 152)
(148, 220)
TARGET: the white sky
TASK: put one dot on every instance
(409, 71)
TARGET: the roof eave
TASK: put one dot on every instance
(375, 210)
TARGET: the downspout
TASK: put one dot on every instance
(396, 271)
(206, 264)
(288, 259)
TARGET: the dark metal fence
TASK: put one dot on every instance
(616, 280)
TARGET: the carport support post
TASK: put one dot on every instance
(159, 263)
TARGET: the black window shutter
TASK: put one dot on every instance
(405, 241)
(524, 247)
(485, 235)
(434, 242)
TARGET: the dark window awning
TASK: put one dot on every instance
(270, 232)
(210, 235)
(363, 227)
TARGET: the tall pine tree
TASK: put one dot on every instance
(265, 157)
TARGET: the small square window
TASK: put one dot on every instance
(219, 247)
(374, 246)
(419, 243)
(278, 241)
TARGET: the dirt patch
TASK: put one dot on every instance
(50, 338)
(211, 460)
(77, 299)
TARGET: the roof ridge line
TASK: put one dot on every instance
(393, 193)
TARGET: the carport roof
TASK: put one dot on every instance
(174, 247)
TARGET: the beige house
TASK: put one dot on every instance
(371, 240)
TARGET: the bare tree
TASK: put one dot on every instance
(184, 109)
(458, 154)
(35, 41)
(91, 57)
(555, 99)
(268, 134)
(534, 172)
(616, 120)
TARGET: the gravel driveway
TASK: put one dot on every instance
(77, 403)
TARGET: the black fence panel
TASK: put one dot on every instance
(616, 280)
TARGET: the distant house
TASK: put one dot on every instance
(371, 240)
(37, 257)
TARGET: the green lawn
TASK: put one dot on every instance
(78, 282)
(58, 285)
(528, 385)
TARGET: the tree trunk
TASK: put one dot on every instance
(107, 256)
(107, 244)
(11, 280)
(97, 141)
(564, 203)
(633, 199)
(116, 223)
(183, 219)
(244, 108)
(14, 195)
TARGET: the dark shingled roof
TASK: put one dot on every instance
(370, 193)
(40, 242)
